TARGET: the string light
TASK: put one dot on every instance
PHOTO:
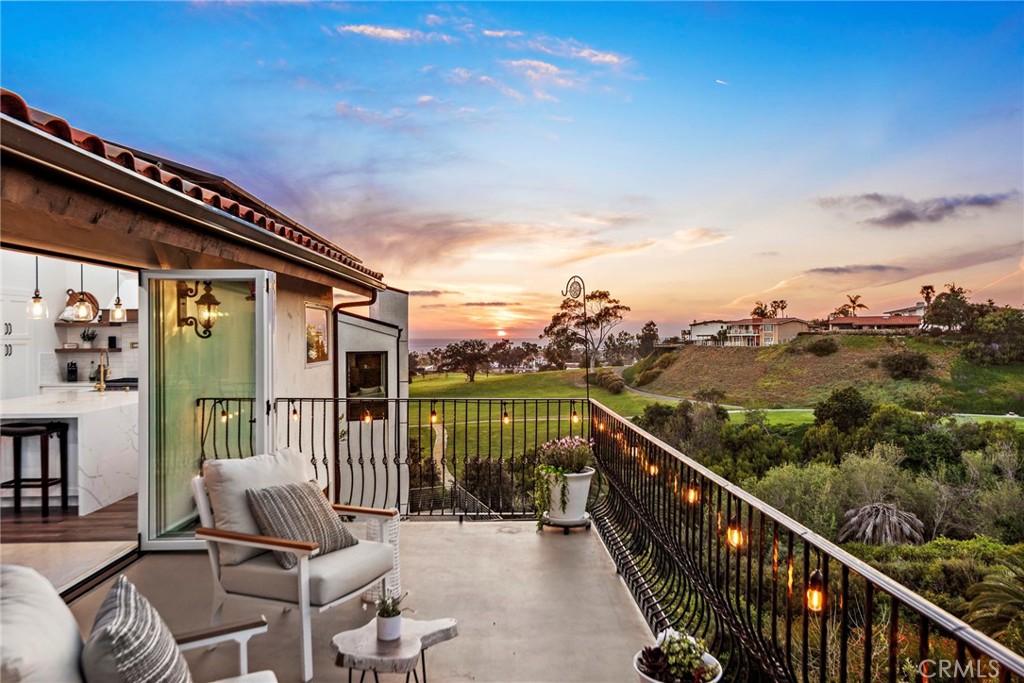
(816, 592)
(734, 533)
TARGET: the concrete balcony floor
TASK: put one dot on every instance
(532, 608)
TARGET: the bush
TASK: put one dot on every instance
(823, 346)
(711, 395)
(906, 364)
(846, 408)
(665, 360)
(607, 379)
(871, 363)
(648, 376)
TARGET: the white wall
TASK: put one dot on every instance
(292, 376)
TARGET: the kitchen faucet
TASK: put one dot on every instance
(104, 368)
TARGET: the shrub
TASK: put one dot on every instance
(711, 395)
(823, 346)
(846, 408)
(906, 364)
(665, 360)
(871, 363)
(607, 379)
(648, 376)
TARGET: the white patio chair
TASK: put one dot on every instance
(242, 566)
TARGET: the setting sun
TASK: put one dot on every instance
(502, 333)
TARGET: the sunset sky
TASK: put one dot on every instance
(690, 158)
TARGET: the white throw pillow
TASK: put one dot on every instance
(226, 482)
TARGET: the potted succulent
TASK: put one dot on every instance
(87, 335)
(563, 475)
(389, 617)
(676, 658)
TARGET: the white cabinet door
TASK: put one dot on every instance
(15, 318)
(17, 372)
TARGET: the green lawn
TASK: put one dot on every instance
(552, 384)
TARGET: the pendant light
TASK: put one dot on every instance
(83, 311)
(117, 312)
(37, 308)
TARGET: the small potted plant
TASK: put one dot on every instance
(389, 617)
(676, 658)
(87, 335)
(563, 475)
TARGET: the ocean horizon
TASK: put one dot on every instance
(421, 345)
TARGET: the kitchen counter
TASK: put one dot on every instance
(103, 452)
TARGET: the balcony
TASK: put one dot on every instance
(773, 600)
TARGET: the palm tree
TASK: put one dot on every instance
(855, 304)
(997, 603)
(841, 311)
(927, 293)
(881, 524)
(760, 310)
(782, 306)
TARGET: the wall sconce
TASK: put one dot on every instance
(206, 307)
(816, 592)
(117, 314)
(84, 311)
(37, 308)
(734, 533)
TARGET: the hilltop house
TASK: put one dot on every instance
(748, 332)
(918, 309)
(874, 322)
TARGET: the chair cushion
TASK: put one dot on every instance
(330, 576)
(226, 482)
(130, 643)
(298, 512)
(40, 639)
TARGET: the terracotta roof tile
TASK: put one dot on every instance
(14, 106)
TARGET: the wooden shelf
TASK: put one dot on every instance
(92, 350)
(131, 316)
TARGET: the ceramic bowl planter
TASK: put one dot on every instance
(389, 628)
(676, 649)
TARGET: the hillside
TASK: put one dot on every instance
(788, 376)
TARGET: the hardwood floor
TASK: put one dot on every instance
(117, 522)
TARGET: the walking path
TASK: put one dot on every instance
(440, 443)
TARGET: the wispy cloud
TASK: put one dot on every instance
(598, 248)
(856, 269)
(395, 35)
(573, 49)
(433, 20)
(543, 73)
(392, 118)
(461, 76)
(694, 238)
(431, 293)
(721, 82)
(900, 212)
(491, 303)
(425, 100)
(608, 219)
(502, 34)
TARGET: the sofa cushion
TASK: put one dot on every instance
(330, 576)
(298, 512)
(130, 643)
(226, 482)
(40, 639)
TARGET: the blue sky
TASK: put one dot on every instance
(690, 158)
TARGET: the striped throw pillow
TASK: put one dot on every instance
(130, 643)
(298, 512)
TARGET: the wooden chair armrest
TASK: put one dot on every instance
(360, 510)
(254, 541)
(223, 632)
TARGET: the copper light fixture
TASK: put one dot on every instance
(206, 308)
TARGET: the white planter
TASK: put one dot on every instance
(86, 344)
(644, 678)
(579, 489)
(389, 628)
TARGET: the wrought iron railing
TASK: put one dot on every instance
(775, 601)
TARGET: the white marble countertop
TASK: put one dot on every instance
(65, 403)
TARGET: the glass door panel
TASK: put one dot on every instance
(206, 374)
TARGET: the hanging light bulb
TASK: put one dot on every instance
(295, 413)
(816, 592)
(505, 419)
(83, 311)
(574, 417)
(37, 308)
(433, 416)
(117, 314)
(653, 470)
(693, 494)
(367, 417)
(734, 533)
(223, 415)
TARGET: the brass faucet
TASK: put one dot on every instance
(101, 386)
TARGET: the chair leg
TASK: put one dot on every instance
(306, 636)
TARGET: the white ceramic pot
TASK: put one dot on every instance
(389, 628)
(86, 344)
(579, 489)
(706, 658)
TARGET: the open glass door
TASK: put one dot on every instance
(204, 382)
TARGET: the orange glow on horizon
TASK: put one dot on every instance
(502, 333)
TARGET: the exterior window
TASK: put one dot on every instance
(367, 379)
(768, 328)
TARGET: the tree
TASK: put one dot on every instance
(760, 310)
(503, 353)
(855, 304)
(647, 339)
(841, 311)
(846, 408)
(950, 309)
(466, 356)
(722, 336)
(997, 603)
(881, 524)
(620, 349)
(778, 307)
(927, 293)
(414, 364)
(588, 322)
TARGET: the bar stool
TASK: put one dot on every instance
(46, 431)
